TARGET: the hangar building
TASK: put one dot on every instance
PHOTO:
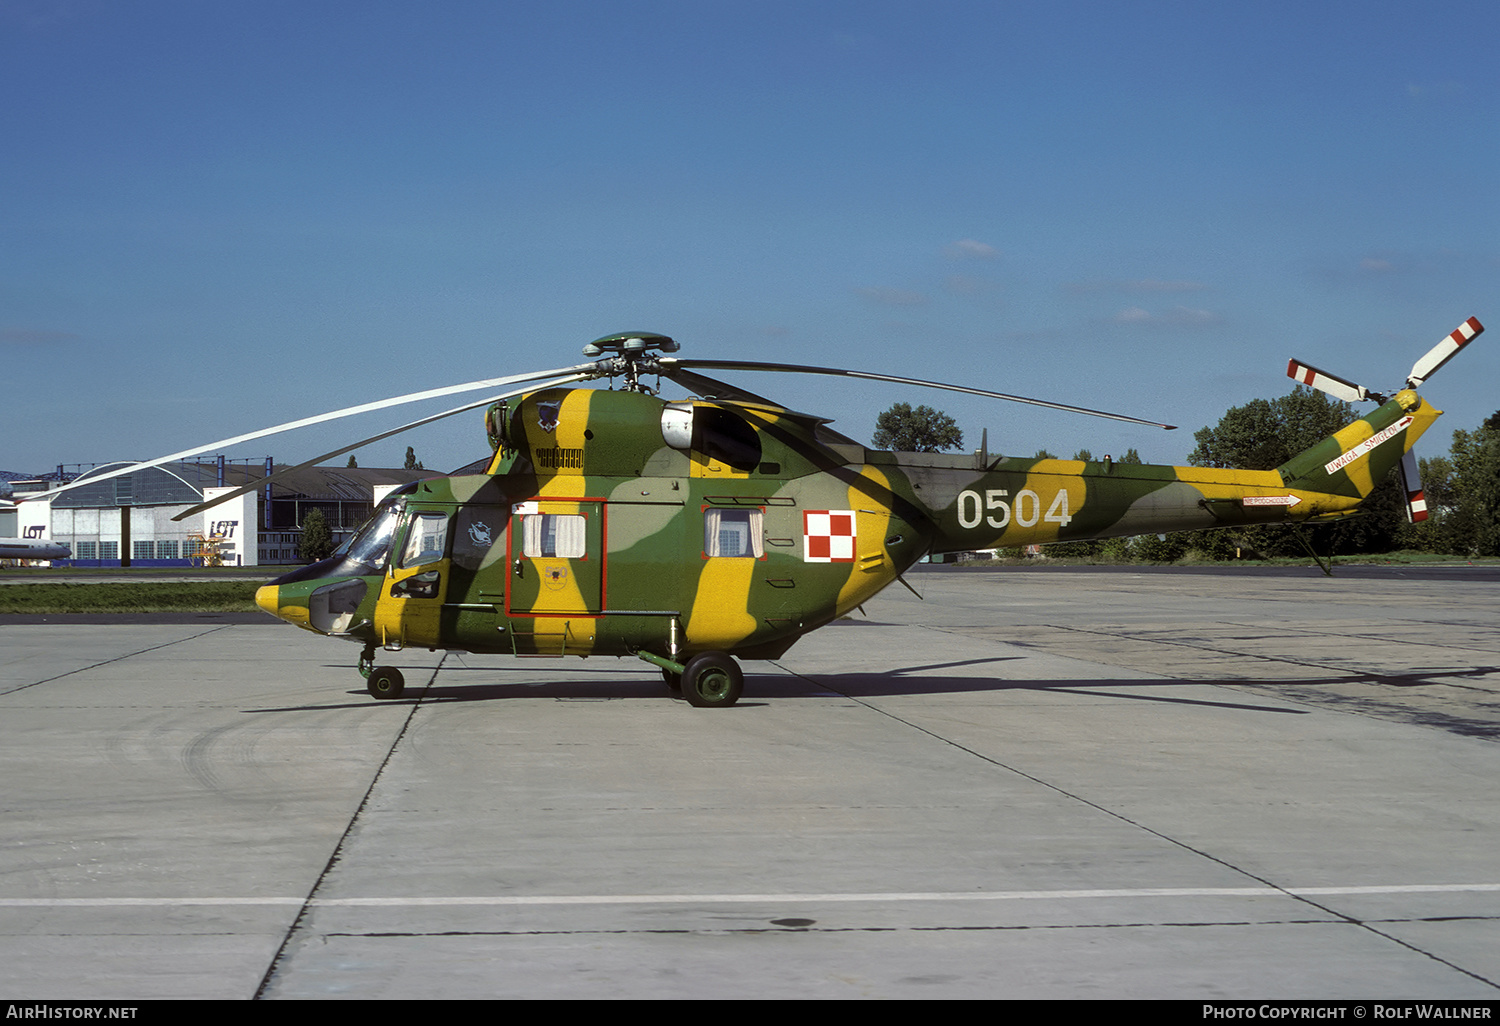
(127, 520)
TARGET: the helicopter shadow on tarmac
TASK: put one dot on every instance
(922, 679)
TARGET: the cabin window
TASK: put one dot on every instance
(561, 535)
(734, 532)
(426, 539)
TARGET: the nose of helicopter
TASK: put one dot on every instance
(265, 597)
(284, 603)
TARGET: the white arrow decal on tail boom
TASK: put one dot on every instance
(1368, 446)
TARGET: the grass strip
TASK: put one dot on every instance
(179, 596)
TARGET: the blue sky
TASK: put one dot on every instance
(216, 216)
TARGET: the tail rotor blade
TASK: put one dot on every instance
(1334, 385)
(1444, 351)
(1411, 484)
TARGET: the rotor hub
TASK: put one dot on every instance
(630, 353)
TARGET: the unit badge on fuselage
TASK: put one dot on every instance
(547, 412)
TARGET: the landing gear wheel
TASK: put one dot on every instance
(385, 682)
(674, 680)
(712, 680)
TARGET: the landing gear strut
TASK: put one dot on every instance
(710, 680)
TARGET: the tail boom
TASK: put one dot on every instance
(1018, 502)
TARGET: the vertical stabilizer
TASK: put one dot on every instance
(1357, 457)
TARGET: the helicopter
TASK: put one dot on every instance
(694, 533)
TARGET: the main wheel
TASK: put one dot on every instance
(385, 682)
(712, 680)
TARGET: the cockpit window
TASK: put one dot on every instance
(372, 545)
(426, 539)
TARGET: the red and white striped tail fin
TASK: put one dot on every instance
(1335, 386)
(1444, 351)
(1411, 484)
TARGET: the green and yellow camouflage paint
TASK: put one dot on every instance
(690, 533)
(618, 523)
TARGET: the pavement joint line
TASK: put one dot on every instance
(1354, 674)
(1306, 898)
(503, 900)
(310, 900)
(116, 659)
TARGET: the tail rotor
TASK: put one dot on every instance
(1426, 367)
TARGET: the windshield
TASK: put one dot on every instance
(372, 544)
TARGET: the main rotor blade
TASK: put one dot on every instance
(581, 370)
(259, 483)
(713, 388)
(1444, 351)
(870, 376)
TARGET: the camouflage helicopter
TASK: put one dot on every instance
(693, 533)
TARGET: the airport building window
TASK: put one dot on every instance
(166, 549)
(109, 550)
(88, 550)
(141, 550)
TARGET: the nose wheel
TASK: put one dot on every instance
(380, 681)
(385, 682)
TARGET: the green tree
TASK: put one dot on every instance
(351, 463)
(916, 430)
(1473, 519)
(317, 538)
(412, 463)
(1265, 433)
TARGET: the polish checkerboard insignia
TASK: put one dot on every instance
(828, 536)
